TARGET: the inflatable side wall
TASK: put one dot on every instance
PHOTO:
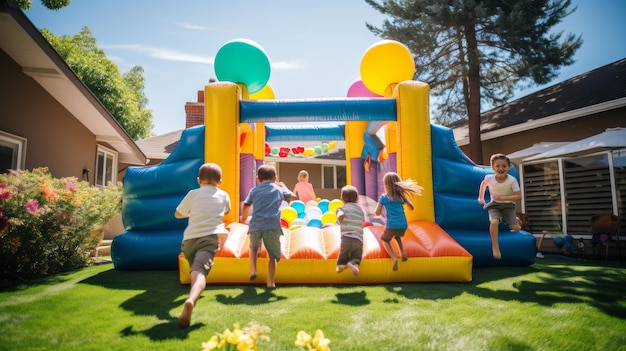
(456, 180)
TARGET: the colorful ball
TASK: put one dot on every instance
(313, 213)
(298, 206)
(329, 218)
(288, 214)
(316, 223)
(334, 205)
(323, 205)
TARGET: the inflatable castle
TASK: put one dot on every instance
(448, 230)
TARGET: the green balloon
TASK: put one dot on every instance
(318, 150)
(245, 62)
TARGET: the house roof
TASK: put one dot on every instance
(598, 90)
(23, 42)
(160, 146)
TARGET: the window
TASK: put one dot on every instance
(12, 152)
(106, 164)
(333, 177)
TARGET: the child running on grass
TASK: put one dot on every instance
(351, 218)
(504, 191)
(265, 222)
(205, 207)
(393, 200)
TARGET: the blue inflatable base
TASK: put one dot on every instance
(517, 248)
(136, 250)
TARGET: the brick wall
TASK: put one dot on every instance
(195, 111)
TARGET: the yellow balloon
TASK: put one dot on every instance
(334, 205)
(332, 144)
(267, 93)
(384, 63)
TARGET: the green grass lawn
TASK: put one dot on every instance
(555, 304)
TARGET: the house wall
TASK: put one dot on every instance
(55, 139)
(288, 174)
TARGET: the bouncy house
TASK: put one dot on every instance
(448, 230)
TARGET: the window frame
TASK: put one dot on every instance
(334, 176)
(20, 145)
(106, 153)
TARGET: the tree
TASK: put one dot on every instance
(473, 51)
(121, 94)
(50, 4)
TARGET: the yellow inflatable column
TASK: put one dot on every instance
(414, 145)
(354, 146)
(221, 138)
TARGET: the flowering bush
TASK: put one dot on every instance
(247, 339)
(49, 225)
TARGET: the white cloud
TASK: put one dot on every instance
(162, 54)
(171, 55)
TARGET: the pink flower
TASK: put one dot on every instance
(3, 185)
(32, 206)
(5, 194)
(71, 186)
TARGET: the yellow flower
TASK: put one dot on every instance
(211, 344)
(302, 339)
(320, 342)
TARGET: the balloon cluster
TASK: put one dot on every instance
(312, 214)
(299, 151)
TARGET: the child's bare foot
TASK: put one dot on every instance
(404, 258)
(497, 255)
(354, 268)
(394, 264)
(252, 276)
(185, 317)
(270, 286)
(340, 268)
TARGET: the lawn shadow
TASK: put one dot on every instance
(249, 296)
(156, 296)
(548, 283)
(352, 299)
(163, 331)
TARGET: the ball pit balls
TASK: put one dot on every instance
(334, 205)
(323, 205)
(298, 206)
(288, 214)
(329, 218)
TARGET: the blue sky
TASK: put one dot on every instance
(315, 47)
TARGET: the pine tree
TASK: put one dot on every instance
(473, 51)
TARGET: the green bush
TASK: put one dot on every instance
(49, 225)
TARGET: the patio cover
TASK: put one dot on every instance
(538, 148)
(610, 139)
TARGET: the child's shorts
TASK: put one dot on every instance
(502, 211)
(390, 233)
(270, 238)
(200, 253)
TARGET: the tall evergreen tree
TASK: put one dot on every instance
(473, 51)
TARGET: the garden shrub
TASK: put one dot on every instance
(49, 225)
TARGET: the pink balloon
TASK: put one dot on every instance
(358, 89)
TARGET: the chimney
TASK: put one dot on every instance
(195, 111)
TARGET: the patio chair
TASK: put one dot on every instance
(605, 232)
